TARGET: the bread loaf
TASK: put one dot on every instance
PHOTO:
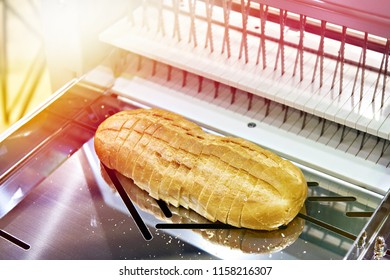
(224, 179)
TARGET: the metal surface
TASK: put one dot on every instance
(70, 211)
(34, 149)
(66, 217)
(374, 240)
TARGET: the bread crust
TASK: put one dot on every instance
(224, 179)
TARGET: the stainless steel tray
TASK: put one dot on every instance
(56, 203)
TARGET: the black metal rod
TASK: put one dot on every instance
(164, 208)
(130, 206)
(359, 214)
(194, 226)
(14, 240)
(331, 198)
(327, 226)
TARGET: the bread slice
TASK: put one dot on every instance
(131, 142)
(142, 168)
(156, 158)
(140, 146)
(247, 183)
(210, 186)
(108, 134)
(172, 164)
(195, 149)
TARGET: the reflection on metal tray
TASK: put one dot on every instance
(373, 239)
(56, 204)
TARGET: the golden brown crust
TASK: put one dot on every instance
(222, 178)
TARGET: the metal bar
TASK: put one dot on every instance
(357, 75)
(286, 108)
(250, 99)
(359, 214)
(299, 55)
(330, 198)
(302, 34)
(192, 9)
(327, 226)
(226, 36)
(244, 37)
(320, 54)
(342, 57)
(323, 127)
(280, 52)
(209, 17)
(216, 89)
(14, 240)
(129, 204)
(364, 64)
(164, 208)
(387, 49)
(261, 48)
(194, 226)
(184, 80)
(233, 91)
